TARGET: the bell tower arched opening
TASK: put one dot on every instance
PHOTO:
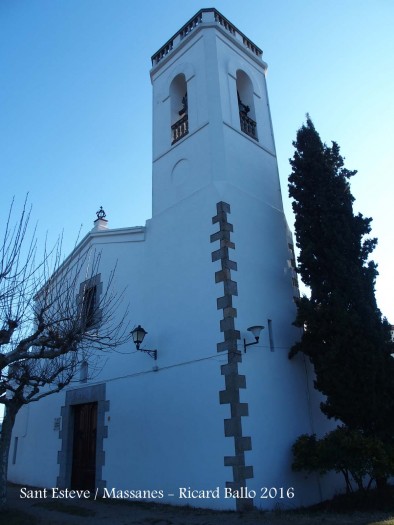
(247, 114)
(179, 109)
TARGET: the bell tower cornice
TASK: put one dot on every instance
(205, 18)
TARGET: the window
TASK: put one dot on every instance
(88, 301)
(89, 306)
(179, 108)
(245, 96)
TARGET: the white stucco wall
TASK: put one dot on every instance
(165, 423)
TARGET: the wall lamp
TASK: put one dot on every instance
(138, 335)
(256, 332)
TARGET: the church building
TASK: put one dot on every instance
(205, 409)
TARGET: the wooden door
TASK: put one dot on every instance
(83, 474)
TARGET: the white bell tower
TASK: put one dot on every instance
(211, 119)
(215, 180)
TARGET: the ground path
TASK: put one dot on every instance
(89, 512)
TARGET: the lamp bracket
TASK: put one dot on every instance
(250, 344)
(152, 353)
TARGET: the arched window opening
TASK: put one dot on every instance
(247, 117)
(179, 109)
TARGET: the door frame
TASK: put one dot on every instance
(87, 394)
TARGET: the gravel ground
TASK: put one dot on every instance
(89, 512)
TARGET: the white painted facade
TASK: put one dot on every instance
(164, 425)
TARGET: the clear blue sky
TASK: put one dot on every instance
(75, 102)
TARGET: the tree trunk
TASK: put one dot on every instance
(381, 484)
(5, 443)
(349, 488)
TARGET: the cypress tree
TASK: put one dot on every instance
(344, 335)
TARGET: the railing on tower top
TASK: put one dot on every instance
(194, 22)
(163, 52)
(225, 23)
(200, 18)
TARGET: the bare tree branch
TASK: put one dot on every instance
(55, 314)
